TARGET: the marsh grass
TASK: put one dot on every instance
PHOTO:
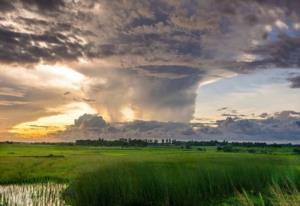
(174, 183)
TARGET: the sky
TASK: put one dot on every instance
(194, 69)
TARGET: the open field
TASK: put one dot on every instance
(156, 175)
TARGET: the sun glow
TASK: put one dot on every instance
(128, 114)
(54, 123)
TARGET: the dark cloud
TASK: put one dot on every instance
(88, 121)
(159, 31)
(166, 29)
(222, 109)
(277, 127)
(18, 47)
(233, 115)
(264, 115)
(172, 71)
(287, 115)
(43, 5)
(88, 100)
(295, 82)
(283, 52)
(6, 6)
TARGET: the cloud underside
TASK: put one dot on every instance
(283, 126)
(146, 57)
(153, 31)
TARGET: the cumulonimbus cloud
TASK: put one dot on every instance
(150, 55)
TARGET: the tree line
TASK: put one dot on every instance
(127, 142)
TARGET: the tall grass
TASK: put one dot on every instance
(276, 196)
(174, 183)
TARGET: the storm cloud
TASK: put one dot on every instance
(232, 32)
(140, 59)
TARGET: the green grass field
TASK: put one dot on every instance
(156, 175)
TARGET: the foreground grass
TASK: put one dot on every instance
(287, 195)
(153, 176)
(179, 183)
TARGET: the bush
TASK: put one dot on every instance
(227, 148)
(252, 151)
(188, 146)
(296, 150)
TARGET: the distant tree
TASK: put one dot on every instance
(219, 148)
(227, 148)
(187, 146)
(252, 151)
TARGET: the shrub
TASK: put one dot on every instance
(296, 150)
(227, 148)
